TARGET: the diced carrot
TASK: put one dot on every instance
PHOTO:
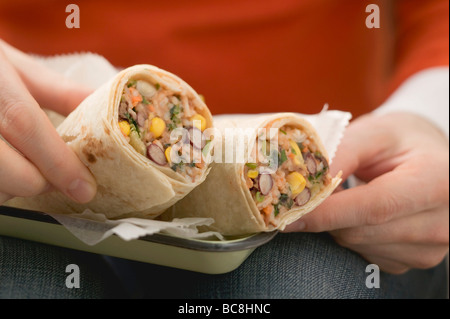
(267, 213)
(305, 149)
(135, 96)
(291, 155)
(200, 165)
(151, 108)
(268, 210)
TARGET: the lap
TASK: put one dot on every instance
(292, 265)
(296, 265)
(33, 270)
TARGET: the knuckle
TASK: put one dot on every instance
(441, 190)
(439, 185)
(326, 220)
(352, 237)
(440, 236)
(15, 117)
(385, 212)
(378, 217)
(410, 237)
(31, 183)
(33, 187)
(58, 163)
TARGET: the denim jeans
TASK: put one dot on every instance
(33, 270)
(296, 265)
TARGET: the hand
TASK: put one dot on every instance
(399, 219)
(38, 160)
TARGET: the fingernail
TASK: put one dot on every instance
(81, 190)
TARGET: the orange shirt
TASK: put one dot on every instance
(249, 56)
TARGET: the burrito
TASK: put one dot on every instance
(286, 177)
(124, 134)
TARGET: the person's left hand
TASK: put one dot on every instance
(400, 219)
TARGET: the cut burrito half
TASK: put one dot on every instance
(123, 132)
(287, 177)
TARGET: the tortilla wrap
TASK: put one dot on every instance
(225, 196)
(129, 184)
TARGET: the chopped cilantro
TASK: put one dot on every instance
(315, 178)
(175, 110)
(133, 125)
(171, 126)
(131, 83)
(283, 157)
(277, 211)
(177, 165)
(285, 200)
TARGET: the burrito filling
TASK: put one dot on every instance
(301, 171)
(148, 113)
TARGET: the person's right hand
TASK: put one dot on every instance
(38, 160)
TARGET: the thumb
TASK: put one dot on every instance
(362, 146)
(50, 89)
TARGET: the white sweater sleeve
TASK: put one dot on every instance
(426, 93)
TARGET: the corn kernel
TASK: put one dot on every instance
(124, 128)
(297, 182)
(199, 121)
(167, 153)
(298, 159)
(157, 126)
(252, 173)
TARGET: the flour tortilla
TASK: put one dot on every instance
(224, 195)
(129, 184)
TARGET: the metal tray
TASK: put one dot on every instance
(206, 256)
